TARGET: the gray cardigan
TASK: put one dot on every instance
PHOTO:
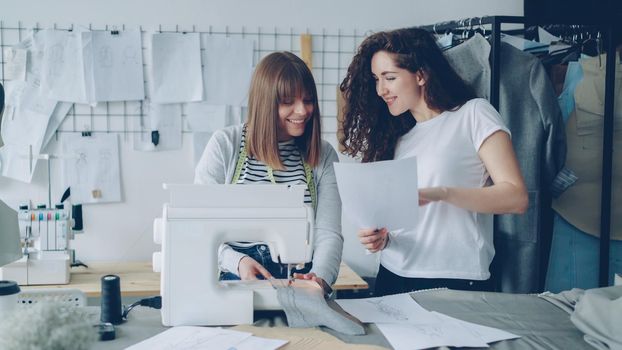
(217, 166)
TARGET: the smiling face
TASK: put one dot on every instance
(401, 89)
(294, 113)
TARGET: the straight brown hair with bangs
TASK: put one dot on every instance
(281, 76)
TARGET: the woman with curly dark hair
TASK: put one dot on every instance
(403, 99)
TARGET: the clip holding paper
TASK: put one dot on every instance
(86, 131)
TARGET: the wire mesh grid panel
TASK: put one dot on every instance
(332, 51)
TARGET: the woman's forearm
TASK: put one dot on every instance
(501, 198)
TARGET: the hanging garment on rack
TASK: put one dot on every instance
(580, 203)
(529, 108)
(470, 61)
(574, 74)
(574, 259)
(590, 96)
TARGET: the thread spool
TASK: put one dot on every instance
(76, 214)
(111, 309)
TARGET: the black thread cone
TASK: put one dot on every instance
(111, 299)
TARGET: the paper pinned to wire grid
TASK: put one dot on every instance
(64, 68)
(204, 119)
(117, 65)
(227, 71)
(175, 71)
(380, 194)
(163, 118)
(91, 167)
(24, 128)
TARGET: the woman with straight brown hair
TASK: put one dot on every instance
(280, 144)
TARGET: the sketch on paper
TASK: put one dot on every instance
(63, 65)
(24, 128)
(91, 66)
(430, 331)
(187, 338)
(30, 118)
(82, 167)
(387, 310)
(117, 65)
(91, 167)
(105, 57)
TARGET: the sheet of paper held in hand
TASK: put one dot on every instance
(380, 194)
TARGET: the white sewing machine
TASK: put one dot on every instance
(197, 220)
(45, 235)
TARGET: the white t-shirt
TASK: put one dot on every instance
(448, 242)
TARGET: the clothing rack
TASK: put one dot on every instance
(608, 25)
(564, 31)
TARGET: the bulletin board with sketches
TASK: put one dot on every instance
(91, 87)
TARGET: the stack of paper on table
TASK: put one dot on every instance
(246, 338)
(304, 338)
(407, 325)
(188, 338)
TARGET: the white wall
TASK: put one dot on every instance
(330, 14)
(123, 231)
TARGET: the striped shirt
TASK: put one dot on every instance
(254, 171)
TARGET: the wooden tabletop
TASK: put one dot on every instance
(138, 279)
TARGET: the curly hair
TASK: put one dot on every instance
(370, 132)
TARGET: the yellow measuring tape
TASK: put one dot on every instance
(308, 174)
